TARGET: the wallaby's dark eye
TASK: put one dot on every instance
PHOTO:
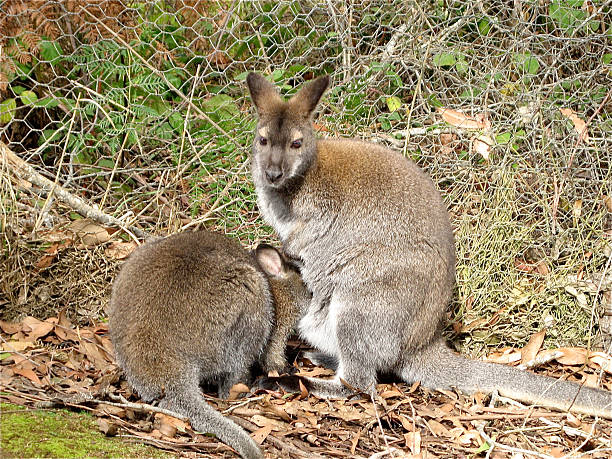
(296, 143)
(263, 141)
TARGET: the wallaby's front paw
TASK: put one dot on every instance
(289, 383)
(280, 366)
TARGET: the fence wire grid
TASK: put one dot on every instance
(141, 109)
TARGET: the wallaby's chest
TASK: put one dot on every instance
(277, 213)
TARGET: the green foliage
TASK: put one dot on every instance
(570, 16)
(449, 59)
(527, 63)
(7, 110)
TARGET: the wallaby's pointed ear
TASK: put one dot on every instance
(270, 260)
(307, 98)
(263, 93)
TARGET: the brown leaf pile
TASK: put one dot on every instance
(52, 363)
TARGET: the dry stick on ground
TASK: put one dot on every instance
(494, 444)
(242, 422)
(26, 172)
(247, 425)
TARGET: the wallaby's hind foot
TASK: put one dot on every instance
(322, 388)
(349, 380)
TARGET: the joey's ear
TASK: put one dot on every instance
(263, 93)
(307, 98)
(270, 260)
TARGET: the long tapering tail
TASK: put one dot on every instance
(437, 367)
(188, 402)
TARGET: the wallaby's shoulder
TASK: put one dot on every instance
(354, 163)
(186, 259)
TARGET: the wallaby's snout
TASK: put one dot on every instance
(273, 168)
(274, 174)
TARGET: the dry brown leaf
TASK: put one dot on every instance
(542, 268)
(556, 451)
(237, 390)
(314, 372)
(10, 327)
(54, 235)
(166, 425)
(506, 356)
(446, 139)
(482, 145)
(88, 232)
(470, 437)
(602, 360)
(112, 410)
(532, 348)
(438, 429)
(354, 441)
(260, 435)
(406, 423)
(572, 420)
(64, 328)
(17, 346)
(391, 393)
(106, 344)
(94, 354)
(461, 120)
(44, 262)
(107, 428)
(303, 390)
(28, 373)
(220, 59)
(34, 328)
(579, 125)
(120, 250)
(608, 202)
(572, 356)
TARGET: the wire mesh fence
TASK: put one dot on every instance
(140, 108)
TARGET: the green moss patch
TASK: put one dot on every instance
(61, 433)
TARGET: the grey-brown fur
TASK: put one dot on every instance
(376, 248)
(197, 307)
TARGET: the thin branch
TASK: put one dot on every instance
(26, 172)
(275, 440)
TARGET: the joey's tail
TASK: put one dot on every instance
(189, 402)
(437, 367)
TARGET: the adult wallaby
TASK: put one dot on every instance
(376, 249)
(196, 307)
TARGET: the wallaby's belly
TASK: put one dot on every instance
(318, 326)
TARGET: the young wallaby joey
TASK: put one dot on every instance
(196, 307)
(376, 249)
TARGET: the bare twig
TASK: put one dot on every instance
(26, 172)
(275, 440)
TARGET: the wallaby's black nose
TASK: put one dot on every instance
(273, 174)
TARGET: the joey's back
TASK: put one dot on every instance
(197, 307)
(170, 307)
